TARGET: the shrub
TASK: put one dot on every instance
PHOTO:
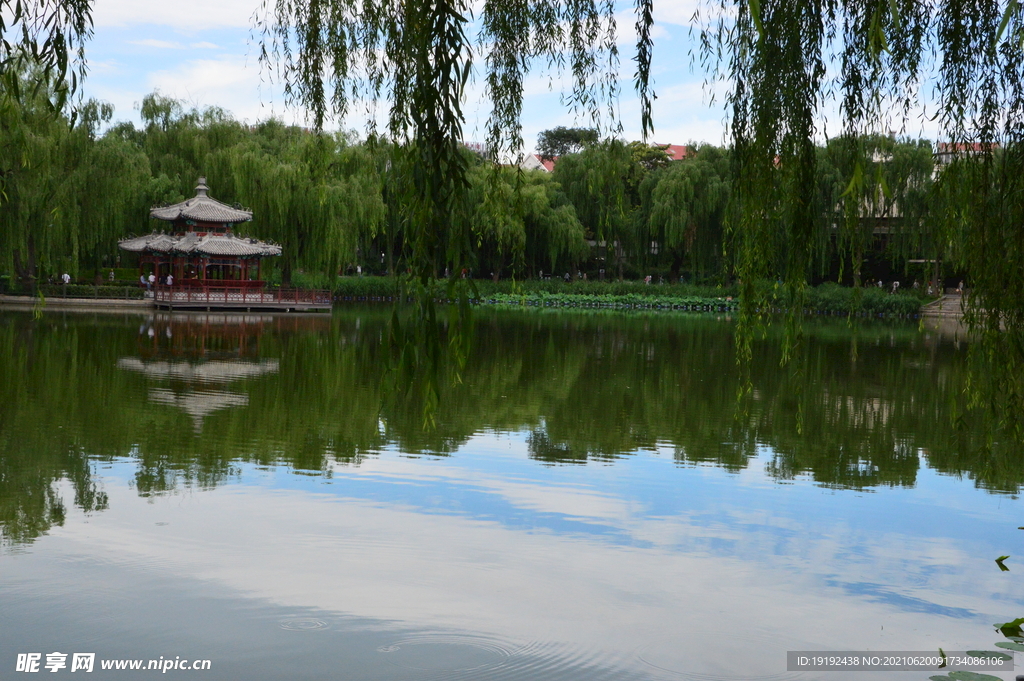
(134, 292)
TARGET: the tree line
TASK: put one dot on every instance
(73, 187)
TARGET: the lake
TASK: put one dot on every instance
(594, 502)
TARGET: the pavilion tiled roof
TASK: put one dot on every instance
(201, 208)
(212, 245)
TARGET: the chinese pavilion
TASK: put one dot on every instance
(200, 247)
(210, 266)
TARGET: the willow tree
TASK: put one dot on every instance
(599, 181)
(871, 186)
(418, 57)
(183, 143)
(524, 222)
(30, 160)
(45, 38)
(787, 63)
(316, 197)
(42, 60)
(684, 210)
(64, 190)
(967, 55)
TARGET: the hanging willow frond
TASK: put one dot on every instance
(46, 37)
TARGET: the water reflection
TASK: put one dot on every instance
(589, 506)
(190, 354)
(193, 395)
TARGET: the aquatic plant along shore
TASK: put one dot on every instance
(828, 298)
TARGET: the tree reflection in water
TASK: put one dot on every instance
(189, 398)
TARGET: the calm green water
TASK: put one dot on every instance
(591, 504)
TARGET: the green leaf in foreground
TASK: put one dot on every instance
(972, 676)
(999, 562)
(990, 653)
(1011, 645)
(1011, 628)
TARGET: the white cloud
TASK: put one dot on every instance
(663, 596)
(201, 53)
(233, 82)
(159, 44)
(678, 12)
(682, 12)
(104, 67)
(186, 15)
(625, 24)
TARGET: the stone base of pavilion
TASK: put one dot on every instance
(242, 298)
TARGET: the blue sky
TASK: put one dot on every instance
(204, 53)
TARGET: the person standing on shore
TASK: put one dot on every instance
(150, 282)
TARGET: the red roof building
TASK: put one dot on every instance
(676, 152)
(947, 152)
(535, 162)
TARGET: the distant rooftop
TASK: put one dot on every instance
(535, 162)
(675, 152)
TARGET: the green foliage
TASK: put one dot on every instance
(596, 182)
(685, 206)
(334, 204)
(640, 302)
(829, 298)
(66, 195)
(875, 186)
(562, 141)
(48, 39)
(316, 196)
(523, 220)
(134, 292)
(1012, 628)
(360, 288)
(834, 299)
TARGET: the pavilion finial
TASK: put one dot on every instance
(201, 188)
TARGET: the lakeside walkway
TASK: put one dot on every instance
(31, 302)
(290, 300)
(949, 305)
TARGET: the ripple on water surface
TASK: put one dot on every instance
(721, 656)
(448, 653)
(451, 656)
(303, 624)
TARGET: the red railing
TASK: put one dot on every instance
(238, 296)
(219, 283)
(211, 284)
